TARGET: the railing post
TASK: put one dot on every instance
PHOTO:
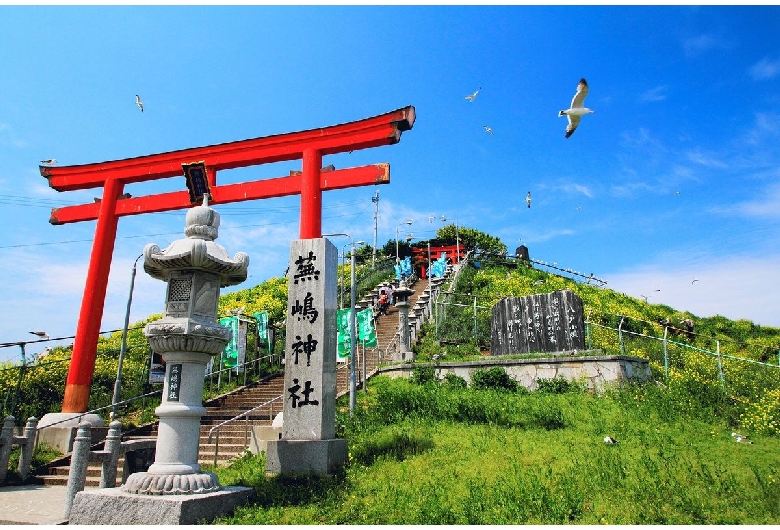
(216, 448)
(6, 442)
(620, 336)
(27, 447)
(720, 366)
(112, 447)
(79, 460)
(587, 334)
(666, 354)
(246, 432)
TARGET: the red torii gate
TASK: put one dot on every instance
(309, 146)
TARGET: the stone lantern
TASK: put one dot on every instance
(187, 337)
(401, 296)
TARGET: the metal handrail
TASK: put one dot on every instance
(244, 364)
(246, 427)
(101, 408)
(688, 346)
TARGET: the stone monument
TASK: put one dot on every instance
(308, 443)
(550, 322)
(175, 490)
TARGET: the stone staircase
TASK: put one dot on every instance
(233, 437)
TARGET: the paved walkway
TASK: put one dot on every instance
(32, 504)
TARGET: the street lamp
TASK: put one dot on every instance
(352, 323)
(343, 266)
(123, 347)
(457, 239)
(407, 222)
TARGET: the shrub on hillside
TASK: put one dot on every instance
(557, 385)
(493, 378)
(423, 374)
(763, 417)
(454, 381)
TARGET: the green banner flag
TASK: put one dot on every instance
(366, 330)
(262, 327)
(230, 353)
(343, 336)
(366, 334)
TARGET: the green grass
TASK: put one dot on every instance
(436, 454)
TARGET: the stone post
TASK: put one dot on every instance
(6, 443)
(27, 445)
(79, 460)
(112, 448)
(308, 443)
(402, 295)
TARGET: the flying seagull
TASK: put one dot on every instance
(609, 440)
(488, 129)
(694, 281)
(49, 162)
(471, 97)
(577, 108)
(528, 199)
(138, 102)
(41, 334)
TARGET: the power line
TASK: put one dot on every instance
(223, 228)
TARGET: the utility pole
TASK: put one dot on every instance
(375, 200)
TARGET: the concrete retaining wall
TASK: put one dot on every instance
(597, 371)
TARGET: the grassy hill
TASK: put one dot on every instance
(422, 452)
(430, 452)
(426, 451)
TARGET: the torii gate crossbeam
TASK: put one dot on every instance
(308, 146)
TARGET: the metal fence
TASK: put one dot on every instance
(671, 354)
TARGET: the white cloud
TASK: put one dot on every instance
(766, 205)
(654, 94)
(8, 138)
(705, 160)
(765, 69)
(540, 237)
(735, 287)
(696, 46)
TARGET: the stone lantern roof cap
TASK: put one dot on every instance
(197, 251)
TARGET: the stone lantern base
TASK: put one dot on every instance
(115, 506)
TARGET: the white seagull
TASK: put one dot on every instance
(577, 108)
(49, 162)
(471, 97)
(488, 129)
(740, 438)
(138, 102)
(609, 440)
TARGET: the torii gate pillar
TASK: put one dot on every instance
(309, 146)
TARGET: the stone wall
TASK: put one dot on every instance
(596, 370)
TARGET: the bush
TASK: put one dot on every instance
(557, 385)
(423, 374)
(493, 378)
(454, 381)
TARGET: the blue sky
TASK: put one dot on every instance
(685, 100)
